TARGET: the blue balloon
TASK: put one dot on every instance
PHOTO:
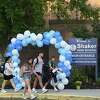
(46, 41)
(59, 39)
(61, 64)
(8, 54)
(47, 35)
(11, 47)
(57, 34)
(57, 45)
(18, 42)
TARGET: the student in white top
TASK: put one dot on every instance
(37, 70)
(8, 75)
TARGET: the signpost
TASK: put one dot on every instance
(85, 52)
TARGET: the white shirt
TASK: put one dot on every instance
(39, 65)
(8, 69)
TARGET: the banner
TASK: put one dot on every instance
(84, 51)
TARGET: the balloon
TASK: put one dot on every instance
(60, 76)
(46, 41)
(61, 64)
(39, 43)
(15, 52)
(66, 63)
(57, 34)
(33, 43)
(61, 58)
(69, 67)
(24, 43)
(39, 37)
(33, 36)
(59, 39)
(15, 64)
(63, 44)
(62, 51)
(14, 58)
(47, 35)
(60, 86)
(53, 41)
(27, 34)
(57, 45)
(65, 81)
(20, 36)
(8, 54)
(13, 40)
(28, 40)
(67, 47)
(52, 32)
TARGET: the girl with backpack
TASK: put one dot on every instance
(37, 70)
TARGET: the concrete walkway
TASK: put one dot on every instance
(70, 94)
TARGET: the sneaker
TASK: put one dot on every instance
(55, 89)
(3, 91)
(33, 97)
(44, 90)
(34, 91)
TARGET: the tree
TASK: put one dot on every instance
(19, 15)
(64, 10)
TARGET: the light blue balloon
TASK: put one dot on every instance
(14, 58)
(15, 64)
(39, 43)
(28, 40)
(57, 45)
(62, 51)
(24, 43)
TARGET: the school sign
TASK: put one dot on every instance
(84, 52)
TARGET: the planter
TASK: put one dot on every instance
(78, 87)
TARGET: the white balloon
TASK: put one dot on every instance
(13, 40)
(60, 86)
(65, 81)
(20, 36)
(27, 33)
(69, 67)
(62, 58)
(52, 32)
(67, 63)
(63, 44)
(33, 36)
(15, 52)
(39, 37)
(67, 47)
(53, 41)
(60, 76)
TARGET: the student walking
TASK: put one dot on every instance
(37, 70)
(8, 75)
(26, 75)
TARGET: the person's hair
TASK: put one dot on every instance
(52, 57)
(6, 59)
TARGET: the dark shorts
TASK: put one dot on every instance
(7, 77)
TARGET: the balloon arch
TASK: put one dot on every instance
(47, 38)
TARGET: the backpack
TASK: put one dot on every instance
(37, 61)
